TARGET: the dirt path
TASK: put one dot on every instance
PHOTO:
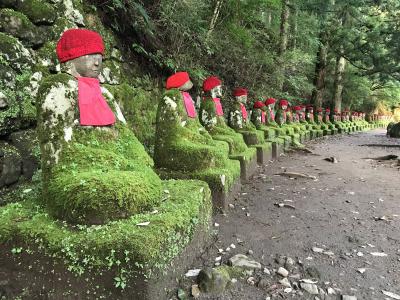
(336, 213)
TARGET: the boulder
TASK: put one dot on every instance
(214, 280)
(38, 11)
(3, 101)
(395, 131)
(10, 164)
(18, 25)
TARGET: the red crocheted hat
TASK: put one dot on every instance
(177, 80)
(258, 104)
(210, 83)
(319, 109)
(283, 102)
(327, 109)
(239, 92)
(75, 43)
(297, 108)
(270, 101)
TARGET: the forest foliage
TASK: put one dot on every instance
(342, 53)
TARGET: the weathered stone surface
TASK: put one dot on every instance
(28, 146)
(242, 261)
(10, 164)
(213, 280)
(14, 53)
(18, 25)
(3, 101)
(7, 76)
(395, 131)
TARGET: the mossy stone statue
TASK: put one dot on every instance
(183, 148)
(327, 121)
(259, 119)
(211, 116)
(296, 122)
(296, 129)
(281, 118)
(239, 120)
(319, 120)
(94, 168)
(311, 120)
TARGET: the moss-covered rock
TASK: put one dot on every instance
(14, 54)
(38, 11)
(395, 131)
(90, 174)
(10, 164)
(18, 25)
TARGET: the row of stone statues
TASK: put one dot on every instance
(94, 168)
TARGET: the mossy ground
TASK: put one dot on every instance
(121, 247)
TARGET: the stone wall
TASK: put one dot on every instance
(29, 30)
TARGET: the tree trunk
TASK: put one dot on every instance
(284, 32)
(284, 27)
(320, 72)
(340, 67)
(295, 28)
(214, 18)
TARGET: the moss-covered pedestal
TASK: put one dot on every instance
(185, 150)
(135, 258)
(215, 124)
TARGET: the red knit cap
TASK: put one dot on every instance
(75, 43)
(297, 108)
(336, 110)
(177, 80)
(239, 92)
(319, 109)
(210, 83)
(270, 101)
(327, 109)
(283, 102)
(258, 104)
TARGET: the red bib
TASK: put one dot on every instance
(218, 106)
(263, 117)
(93, 108)
(189, 105)
(244, 111)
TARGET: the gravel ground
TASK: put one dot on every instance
(351, 210)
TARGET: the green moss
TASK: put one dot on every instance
(117, 245)
(39, 12)
(184, 149)
(139, 109)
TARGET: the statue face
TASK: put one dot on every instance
(217, 91)
(187, 86)
(241, 99)
(284, 107)
(86, 66)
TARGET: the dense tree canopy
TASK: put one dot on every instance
(330, 52)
